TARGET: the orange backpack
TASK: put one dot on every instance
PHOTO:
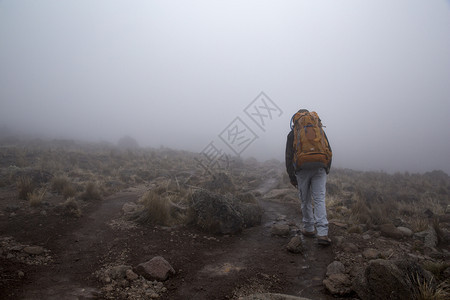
(311, 148)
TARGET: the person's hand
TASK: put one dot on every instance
(294, 181)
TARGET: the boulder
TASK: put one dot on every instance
(384, 279)
(219, 214)
(155, 269)
(215, 213)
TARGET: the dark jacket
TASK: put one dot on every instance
(290, 157)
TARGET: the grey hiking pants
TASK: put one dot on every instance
(312, 187)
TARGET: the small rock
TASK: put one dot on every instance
(33, 250)
(405, 231)
(109, 288)
(371, 254)
(350, 247)
(155, 269)
(280, 230)
(335, 267)
(338, 284)
(129, 208)
(389, 230)
(131, 275)
(447, 210)
(295, 245)
(118, 272)
(366, 236)
(20, 274)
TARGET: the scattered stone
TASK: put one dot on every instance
(295, 245)
(384, 279)
(447, 210)
(33, 250)
(389, 230)
(338, 240)
(405, 231)
(371, 254)
(155, 269)
(338, 284)
(129, 208)
(366, 237)
(280, 229)
(131, 275)
(428, 237)
(335, 267)
(118, 272)
(350, 247)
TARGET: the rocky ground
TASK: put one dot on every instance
(240, 244)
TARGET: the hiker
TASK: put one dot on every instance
(308, 161)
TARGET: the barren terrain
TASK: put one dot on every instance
(54, 249)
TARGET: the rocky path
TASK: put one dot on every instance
(208, 267)
(80, 252)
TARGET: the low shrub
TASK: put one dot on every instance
(36, 197)
(156, 209)
(25, 187)
(91, 192)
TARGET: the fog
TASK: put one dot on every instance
(182, 73)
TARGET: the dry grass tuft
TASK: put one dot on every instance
(156, 209)
(71, 208)
(37, 197)
(429, 290)
(25, 187)
(63, 186)
(92, 192)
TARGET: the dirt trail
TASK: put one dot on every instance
(257, 258)
(82, 250)
(208, 267)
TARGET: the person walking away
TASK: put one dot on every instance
(308, 162)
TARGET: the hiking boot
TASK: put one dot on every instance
(323, 240)
(308, 233)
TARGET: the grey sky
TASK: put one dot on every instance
(177, 73)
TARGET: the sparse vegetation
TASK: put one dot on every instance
(430, 290)
(91, 192)
(156, 209)
(74, 176)
(25, 187)
(36, 197)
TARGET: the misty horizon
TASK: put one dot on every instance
(180, 74)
